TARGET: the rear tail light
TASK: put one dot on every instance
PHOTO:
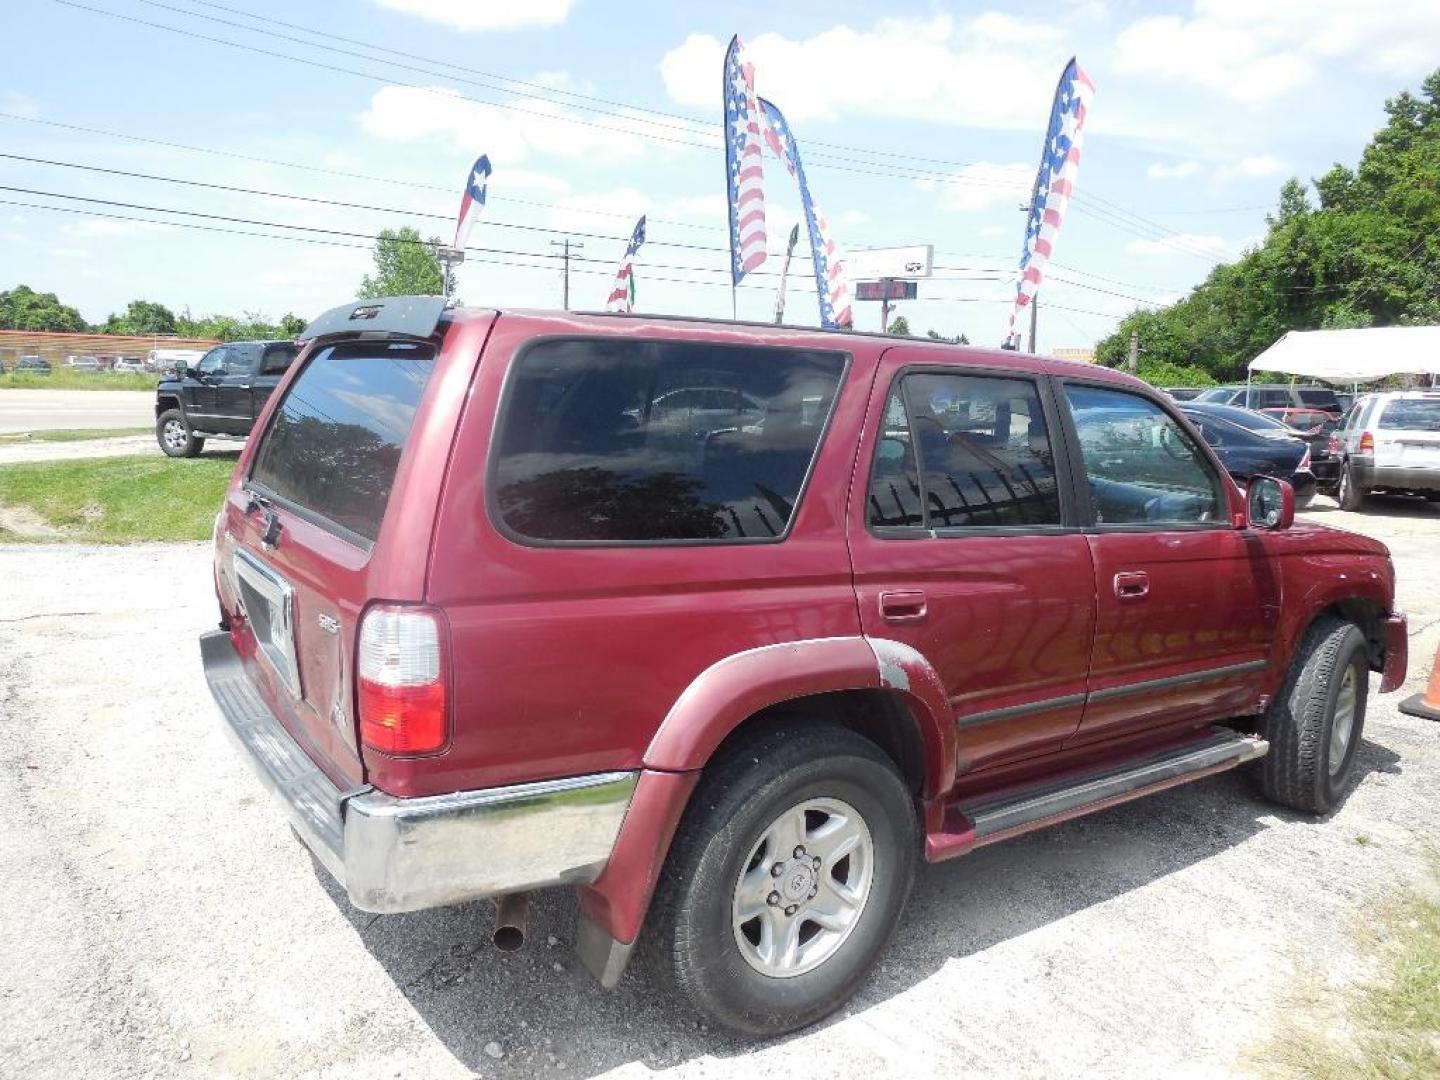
(1304, 465)
(1367, 444)
(401, 675)
(1332, 446)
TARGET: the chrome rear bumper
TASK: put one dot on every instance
(394, 854)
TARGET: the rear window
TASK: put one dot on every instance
(1412, 414)
(1319, 397)
(333, 444)
(632, 441)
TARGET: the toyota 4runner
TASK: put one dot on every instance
(728, 626)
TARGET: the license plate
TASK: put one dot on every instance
(268, 602)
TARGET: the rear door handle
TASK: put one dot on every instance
(902, 605)
(1132, 584)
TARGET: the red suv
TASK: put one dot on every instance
(728, 626)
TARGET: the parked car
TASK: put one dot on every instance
(31, 365)
(220, 397)
(486, 628)
(1273, 396)
(87, 365)
(129, 365)
(1252, 444)
(1390, 442)
(1184, 393)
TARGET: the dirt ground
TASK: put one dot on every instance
(160, 919)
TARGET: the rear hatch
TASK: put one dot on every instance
(1407, 434)
(322, 519)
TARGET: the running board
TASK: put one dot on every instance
(990, 819)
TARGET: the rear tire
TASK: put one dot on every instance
(1349, 496)
(1315, 723)
(779, 969)
(172, 432)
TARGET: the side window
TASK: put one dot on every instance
(213, 362)
(240, 360)
(621, 441)
(1275, 399)
(1143, 468)
(981, 455)
(277, 359)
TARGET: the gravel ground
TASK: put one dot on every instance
(161, 921)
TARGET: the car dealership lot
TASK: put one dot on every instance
(165, 922)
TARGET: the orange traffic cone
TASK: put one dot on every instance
(1426, 705)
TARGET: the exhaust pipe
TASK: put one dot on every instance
(510, 921)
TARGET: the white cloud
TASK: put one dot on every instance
(1178, 171)
(1178, 244)
(12, 101)
(855, 217)
(108, 227)
(982, 186)
(485, 14)
(992, 230)
(1253, 167)
(412, 113)
(1255, 52)
(937, 69)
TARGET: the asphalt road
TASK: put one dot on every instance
(51, 410)
(160, 919)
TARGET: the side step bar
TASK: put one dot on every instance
(991, 819)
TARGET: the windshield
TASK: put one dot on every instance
(1412, 414)
(1216, 393)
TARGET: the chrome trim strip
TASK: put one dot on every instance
(1225, 672)
(1011, 711)
(280, 596)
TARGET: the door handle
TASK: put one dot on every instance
(1132, 584)
(902, 605)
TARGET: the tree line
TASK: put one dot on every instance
(1364, 251)
(22, 308)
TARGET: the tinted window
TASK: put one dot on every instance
(983, 453)
(213, 362)
(608, 440)
(1142, 467)
(1411, 414)
(277, 358)
(1318, 397)
(335, 441)
(894, 499)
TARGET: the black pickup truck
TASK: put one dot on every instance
(221, 396)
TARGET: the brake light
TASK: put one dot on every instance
(401, 676)
(1304, 465)
(1367, 444)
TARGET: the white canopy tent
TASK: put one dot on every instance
(1351, 356)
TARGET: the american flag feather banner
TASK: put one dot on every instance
(473, 201)
(744, 164)
(831, 284)
(622, 294)
(1054, 184)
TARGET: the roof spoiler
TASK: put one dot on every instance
(387, 316)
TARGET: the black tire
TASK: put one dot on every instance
(693, 938)
(174, 446)
(1348, 495)
(1299, 723)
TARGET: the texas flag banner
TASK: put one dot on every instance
(1054, 185)
(744, 164)
(832, 285)
(622, 295)
(473, 201)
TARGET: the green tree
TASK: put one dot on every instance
(1366, 254)
(958, 339)
(404, 266)
(22, 308)
(141, 317)
(900, 326)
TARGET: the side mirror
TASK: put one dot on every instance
(1269, 503)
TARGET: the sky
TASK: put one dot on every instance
(919, 126)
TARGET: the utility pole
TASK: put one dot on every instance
(884, 305)
(566, 247)
(1133, 364)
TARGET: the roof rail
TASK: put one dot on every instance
(385, 316)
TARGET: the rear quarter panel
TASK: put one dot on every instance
(567, 659)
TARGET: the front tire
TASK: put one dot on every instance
(1349, 496)
(1315, 723)
(172, 432)
(746, 925)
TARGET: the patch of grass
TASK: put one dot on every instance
(1387, 1029)
(64, 379)
(72, 435)
(120, 500)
